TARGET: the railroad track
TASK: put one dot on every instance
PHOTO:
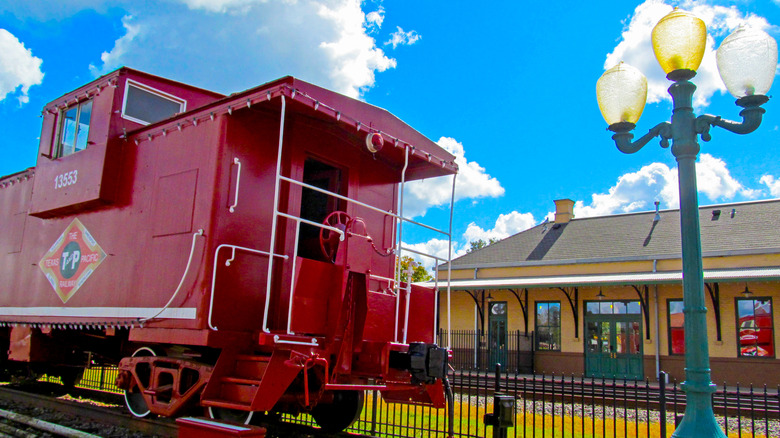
(117, 417)
(734, 401)
(13, 424)
(110, 418)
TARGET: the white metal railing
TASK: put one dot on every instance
(227, 263)
(397, 234)
(298, 222)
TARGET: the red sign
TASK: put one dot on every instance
(71, 260)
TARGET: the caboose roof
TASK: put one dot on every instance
(427, 159)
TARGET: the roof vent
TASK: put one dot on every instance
(733, 212)
(715, 214)
(657, 214)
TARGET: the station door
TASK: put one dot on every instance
(497, 335)
(613, 340)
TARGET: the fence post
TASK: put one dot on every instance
(662, 402)
(503, 416)
(374, 396)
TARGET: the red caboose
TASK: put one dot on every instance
(237, 251)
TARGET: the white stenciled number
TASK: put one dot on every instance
(66, 179)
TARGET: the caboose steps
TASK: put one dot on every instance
(235, 381)
(227, 404)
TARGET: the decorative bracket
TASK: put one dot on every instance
(751, 118)
(623, 136)
(573, 293)
(643, 300)
(714, 290)
(523, 306)
(480, 307)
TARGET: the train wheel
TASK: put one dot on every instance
(234, 415)
(341, 413)
(134, 400)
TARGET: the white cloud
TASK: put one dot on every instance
(231, 45)
(375, 19)
(772, 183)
(19, 69)
(112, 59)
(635, 47)
(240, 6)
(437, 248)
(353, 55)
(399, 37)
(505, 226)
(638, 190)
(471, 183)
(714, 180)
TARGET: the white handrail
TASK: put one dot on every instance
(408, 290)
(298, 221)
(238, 181)
(181, 282)
(368, 206)
(227, 263)
(274, 218)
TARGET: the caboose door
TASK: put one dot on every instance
(497, 334)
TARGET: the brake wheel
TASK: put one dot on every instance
(329, 239)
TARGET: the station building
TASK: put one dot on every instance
(602, 296)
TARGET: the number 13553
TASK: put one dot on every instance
(66, 179)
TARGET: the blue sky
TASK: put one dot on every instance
(507, 86)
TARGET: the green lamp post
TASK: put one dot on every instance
(747, 60)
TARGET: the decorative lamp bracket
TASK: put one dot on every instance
(623, 136)
(752, 115)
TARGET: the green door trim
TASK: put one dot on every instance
(613, 345)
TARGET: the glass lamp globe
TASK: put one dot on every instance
(747, 60)
(679, 40)
(622, 93)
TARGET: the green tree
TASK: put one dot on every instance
(419, 273)
(479, 244)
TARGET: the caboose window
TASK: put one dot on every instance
(74, 128)
(146, 105)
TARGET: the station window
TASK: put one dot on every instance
(755, 328)
(548, 325)
(74, 128)
(676, 320)
(145, 105)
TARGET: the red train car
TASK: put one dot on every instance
(237, 253)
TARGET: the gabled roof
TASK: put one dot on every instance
(739, 228)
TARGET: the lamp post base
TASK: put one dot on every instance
(699, 420)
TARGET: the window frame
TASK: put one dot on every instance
(176, 99)
(61, 119)
(537, 325)
(737, 300)
(669, 301)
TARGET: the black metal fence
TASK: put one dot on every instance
(548, 406)
(472, 350)
(567, 406)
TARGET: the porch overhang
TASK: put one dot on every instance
(617, 279)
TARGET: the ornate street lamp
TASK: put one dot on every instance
(747, 60)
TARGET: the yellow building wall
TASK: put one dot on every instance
(463, 313)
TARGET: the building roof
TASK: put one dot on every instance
(726, 229)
